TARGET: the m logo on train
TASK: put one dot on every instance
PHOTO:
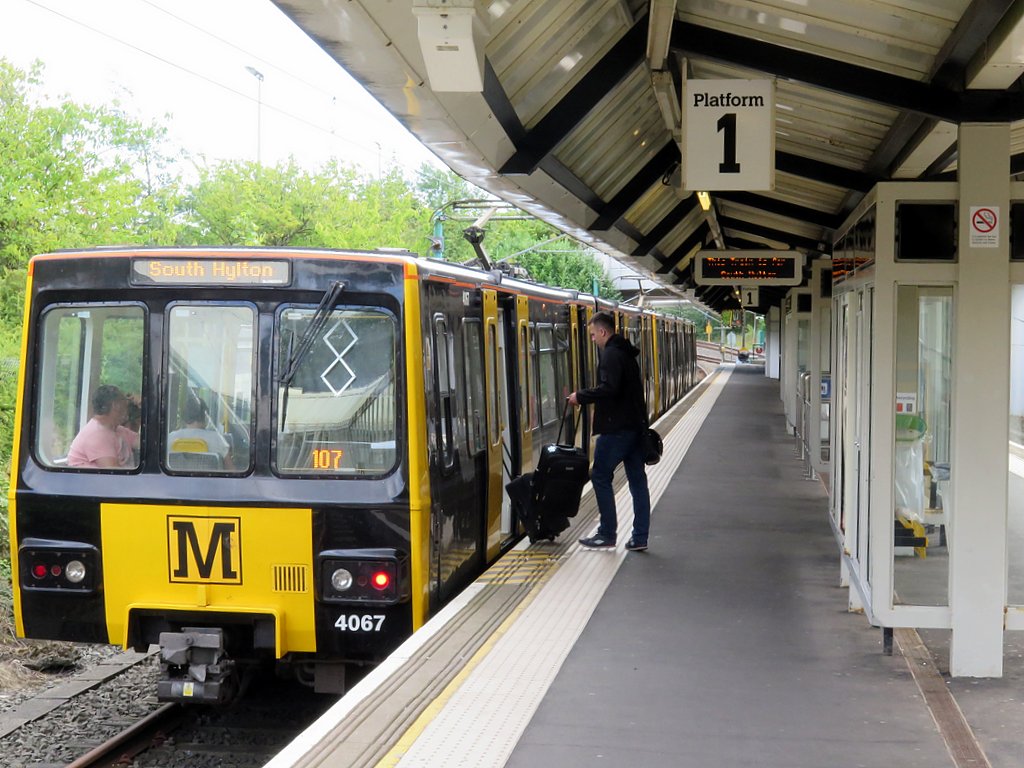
(192, 557)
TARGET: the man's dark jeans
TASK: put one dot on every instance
(613, 449)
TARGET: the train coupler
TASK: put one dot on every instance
(194, 667)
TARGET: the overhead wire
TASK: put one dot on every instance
(205, 78)
(240, 49)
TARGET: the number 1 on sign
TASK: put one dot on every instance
(727, 123)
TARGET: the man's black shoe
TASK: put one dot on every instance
(598, 542)
(636, 546)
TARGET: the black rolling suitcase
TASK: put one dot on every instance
(547, 497)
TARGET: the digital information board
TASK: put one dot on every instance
(228, 271)
(749, 268)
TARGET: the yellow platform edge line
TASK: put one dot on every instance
(413, 732)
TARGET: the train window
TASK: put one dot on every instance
(473, 369)
(546, 373)
(337, 414)
(525, 386)
(90, 353)
(492, 364)
(209, 387)
(532, 377)
(564, 386)
(443, 366)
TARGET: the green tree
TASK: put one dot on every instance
(550, 256)
(440, 186)
(243, 203)
(73, 175)
(575, 269)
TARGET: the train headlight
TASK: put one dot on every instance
(341, 580)
(363, 576)
(49, 565)
(74, 571)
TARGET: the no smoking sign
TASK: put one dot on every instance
(984, 226)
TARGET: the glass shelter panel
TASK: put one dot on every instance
(921, 469)
(1015, 495)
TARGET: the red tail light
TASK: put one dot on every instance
(364, 576)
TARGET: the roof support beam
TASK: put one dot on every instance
(816, 170)
(949, 70)
(840, 77)
(617, 63)
(781, 208)
(659, 32)
(696, 238)
(970, 36)
(655, 169)
(769, 233)
(666, 225)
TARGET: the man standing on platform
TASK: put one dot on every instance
(620, 419)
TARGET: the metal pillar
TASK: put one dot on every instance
(980, 407)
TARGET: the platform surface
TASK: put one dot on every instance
(729, 642)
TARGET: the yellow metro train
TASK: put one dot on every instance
(316, 466)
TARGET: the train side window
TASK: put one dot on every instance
(210, 361)
(525, 386)
(337, 414)
(534, 394)
(473, 369)
(563, 385)
(83, 348)
(492, 400)
(546, 373)
(443, 366)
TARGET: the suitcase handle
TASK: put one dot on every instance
(565, 412)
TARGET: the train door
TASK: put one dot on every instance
(524, 382)
(503, 443)
(499, 451)
(455, 519)
(576, 348)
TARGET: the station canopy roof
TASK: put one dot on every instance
(575, 113)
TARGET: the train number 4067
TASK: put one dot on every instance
(355, 622)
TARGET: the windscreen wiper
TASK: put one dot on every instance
(320, 317)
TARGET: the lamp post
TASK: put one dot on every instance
(259, 109)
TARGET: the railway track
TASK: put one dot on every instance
(118, 722)
(151, 731)
(710, 352)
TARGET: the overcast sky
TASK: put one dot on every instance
(183, 63)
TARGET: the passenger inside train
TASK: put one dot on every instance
(105, 441)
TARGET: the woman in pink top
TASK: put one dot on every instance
(104, 442)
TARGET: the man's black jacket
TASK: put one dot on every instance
(619, 395)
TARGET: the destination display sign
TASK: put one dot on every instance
(172, 271)
(749, 268)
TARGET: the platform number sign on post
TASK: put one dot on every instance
(728, 135)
